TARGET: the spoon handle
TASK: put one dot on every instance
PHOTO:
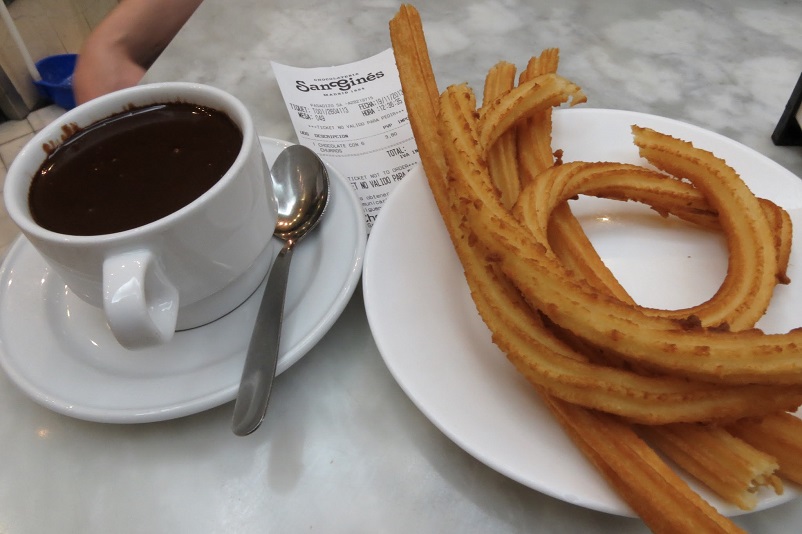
(260, 362)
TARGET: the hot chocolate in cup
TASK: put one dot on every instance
(183, 241)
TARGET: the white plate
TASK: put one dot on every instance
(438, 349)
(60, 352)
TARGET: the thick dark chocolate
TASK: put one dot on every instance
(133, 168)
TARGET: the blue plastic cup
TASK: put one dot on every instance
(56, 82)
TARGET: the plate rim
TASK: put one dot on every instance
(372, 307)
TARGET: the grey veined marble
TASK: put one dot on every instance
(344, 450)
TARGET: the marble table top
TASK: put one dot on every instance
(344, 450)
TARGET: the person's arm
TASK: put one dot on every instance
(122, 47)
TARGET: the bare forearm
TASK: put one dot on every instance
(126, 43)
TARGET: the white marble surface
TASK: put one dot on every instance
(344, 450)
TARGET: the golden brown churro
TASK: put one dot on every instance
(566, 323)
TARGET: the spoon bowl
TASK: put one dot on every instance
(301, 187)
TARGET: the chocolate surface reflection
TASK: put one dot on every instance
(133, 168)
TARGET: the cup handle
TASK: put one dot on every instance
(140, 302)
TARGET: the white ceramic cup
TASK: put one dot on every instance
(182, 271)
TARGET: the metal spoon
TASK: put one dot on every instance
(301, 187)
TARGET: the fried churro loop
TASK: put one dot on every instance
(568, 325)
(544, 360)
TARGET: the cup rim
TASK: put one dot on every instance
(17, 184)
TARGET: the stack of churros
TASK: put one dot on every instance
(631, 385)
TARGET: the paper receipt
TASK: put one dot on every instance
(354, 117)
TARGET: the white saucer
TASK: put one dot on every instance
(60, 352)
